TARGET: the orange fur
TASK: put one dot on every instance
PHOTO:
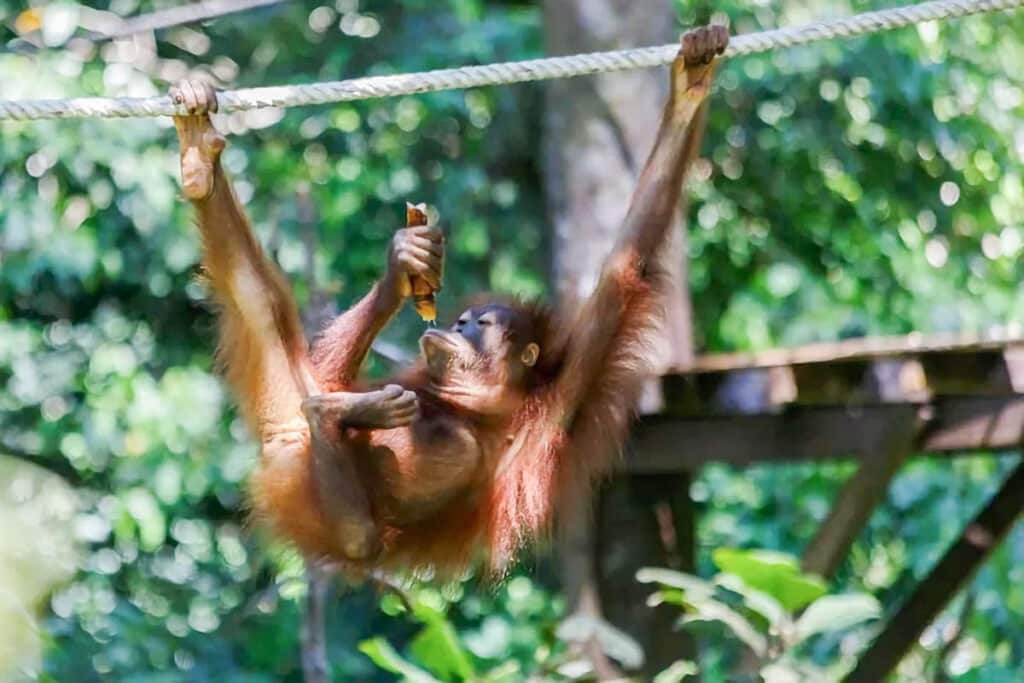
(516, 496)
(483, 470)
(532, 462)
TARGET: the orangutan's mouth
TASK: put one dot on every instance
(440, 348)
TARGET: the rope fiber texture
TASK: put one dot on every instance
(501, 73)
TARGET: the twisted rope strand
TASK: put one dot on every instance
(501, 73)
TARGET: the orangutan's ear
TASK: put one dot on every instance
(530, 355)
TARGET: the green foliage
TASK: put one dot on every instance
(831, 613)
(512, 640)
(384, 656)
(854, 187)
(677, 672)
(105, 342)
(438, 647)
(769, 605)
(774, 573)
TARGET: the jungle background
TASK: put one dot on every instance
(852, 188)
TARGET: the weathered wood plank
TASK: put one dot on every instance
(863, 348)
(967, 372)
(956, 567)
(867, 370)
(799, 433)
(858, 498)
(953, 424)
(974, 423)
(769, 390)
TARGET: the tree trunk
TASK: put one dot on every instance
(597, 134)
(598, 131)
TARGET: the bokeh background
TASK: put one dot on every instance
(849, 188)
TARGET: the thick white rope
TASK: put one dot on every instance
(497, 74)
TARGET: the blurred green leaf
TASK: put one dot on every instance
(583, 628)
(677, 672)
(384, 656)
(714, 611)
(760, 602)
(686, 582)
(437, 647)
(776, 574)
(831, 613)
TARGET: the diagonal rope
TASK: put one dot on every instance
(502, 73)
(101, 25)
(182, 14)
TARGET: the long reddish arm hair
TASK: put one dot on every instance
(570, 432)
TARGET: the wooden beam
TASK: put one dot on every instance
(968, 372)
(750, 391)
(974, 423)
(883, 369)
(769, 390)
(863, 348)
(956, 567)
(858, 498)
(800, 433)
(953, 424)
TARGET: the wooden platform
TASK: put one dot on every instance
(876, 400)
(837, 400)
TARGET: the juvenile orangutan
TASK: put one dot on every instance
(467, 454)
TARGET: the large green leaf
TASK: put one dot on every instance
(774, 573)
(437, 647)
(383, 655)
(832, 613)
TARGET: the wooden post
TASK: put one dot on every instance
(646, 520)
(956, 567)
(858, 499)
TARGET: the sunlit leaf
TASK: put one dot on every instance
(758, 601)
(738, 625)
(677, 672)
(384, 656)
(832, 613)
(776, 574)
(673, 579)
(437, 647)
